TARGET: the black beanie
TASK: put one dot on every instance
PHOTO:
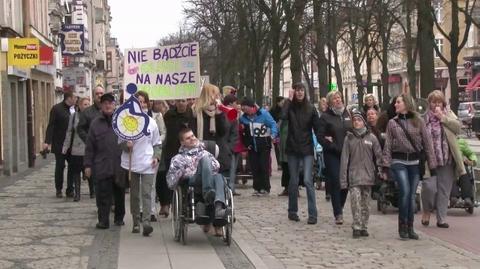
(247, 101)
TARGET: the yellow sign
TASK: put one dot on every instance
(23, 51)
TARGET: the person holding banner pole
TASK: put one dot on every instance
(141, 157)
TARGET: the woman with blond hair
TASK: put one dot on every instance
(443, 127)
(406, 140)
(209, 123)
(334, 124)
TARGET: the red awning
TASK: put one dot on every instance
(474, 83)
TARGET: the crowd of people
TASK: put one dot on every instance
(194, 141)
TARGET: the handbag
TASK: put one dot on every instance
(422, 156)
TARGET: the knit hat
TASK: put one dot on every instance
(359, 114)
(247, 101)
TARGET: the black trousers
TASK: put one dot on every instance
(338, 196)
(164, 194)
(59, 168)
(463, 188)
(105, 190)
(259, 163)
(285, 174)
(75, 166)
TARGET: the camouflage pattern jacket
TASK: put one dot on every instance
(184, 164)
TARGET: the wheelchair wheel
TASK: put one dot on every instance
(228, 228)
(176, 209)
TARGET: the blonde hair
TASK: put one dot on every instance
(209, 93)
(331, 95)
(369, 95)
(226, 90)
(437, 96)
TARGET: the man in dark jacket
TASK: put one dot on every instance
(56, 132)
(102, 162)
(85, 119)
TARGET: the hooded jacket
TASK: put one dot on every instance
(258, 130)
(361, 154)
(184, 164)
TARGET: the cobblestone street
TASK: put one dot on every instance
(277, 242)
(38, 230)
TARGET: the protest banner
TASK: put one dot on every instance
(165, 73)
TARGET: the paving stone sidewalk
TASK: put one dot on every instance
(272, 241)
(40, 231)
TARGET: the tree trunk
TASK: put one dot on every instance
(425, 45)
(338, 70)
(295, 14)
(322, 63)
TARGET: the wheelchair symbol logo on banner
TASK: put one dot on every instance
(129, 121)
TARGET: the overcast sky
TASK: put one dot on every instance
(141, 23)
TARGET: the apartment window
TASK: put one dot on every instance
(439, 43)
(438, 8)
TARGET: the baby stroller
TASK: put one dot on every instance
(468, 186)
(318, 164)
(388, 194)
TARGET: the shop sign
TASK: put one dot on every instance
(23, 52)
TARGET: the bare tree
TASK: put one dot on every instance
(456, 40)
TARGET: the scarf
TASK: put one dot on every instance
(440, 143)
(360, 132)
(210, 111)
(338, 111)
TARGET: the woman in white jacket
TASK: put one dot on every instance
(146, 153)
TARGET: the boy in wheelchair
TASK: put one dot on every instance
(464, 187)
(198, 167)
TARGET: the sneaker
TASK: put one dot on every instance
(220, 215)
(153, 218)
(264, 193)
(136, 229)
(209, 197)
(293, 216)
(256, 193)
(364, 233)
(119, 223)
(101, 226)
(468, 202)
(312, 221)
(356, 233)
(339, 220)
(284, 192)
(59, 194)
(147, 229)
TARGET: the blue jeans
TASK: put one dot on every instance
(293, 166)
(407, 178)
(209, 180)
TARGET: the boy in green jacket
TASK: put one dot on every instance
(464, 187)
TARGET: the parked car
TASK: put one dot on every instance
(467, 110)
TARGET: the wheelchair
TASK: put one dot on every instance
(460, 202)
(184, 202)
